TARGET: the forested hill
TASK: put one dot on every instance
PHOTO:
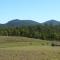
(49, 30)
(19, 23)
(52, 22)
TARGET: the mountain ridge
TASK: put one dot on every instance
(52, 22)
(18, 23)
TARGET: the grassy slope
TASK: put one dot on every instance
(6, 41)
(22, 48)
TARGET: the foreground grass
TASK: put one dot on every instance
(21, 48)
(30, 53)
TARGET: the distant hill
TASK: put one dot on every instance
(19, 23)
(52, 22)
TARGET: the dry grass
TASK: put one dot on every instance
(13, 41)
(30, 53)
(21, 48)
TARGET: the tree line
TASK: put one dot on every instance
(44, 32)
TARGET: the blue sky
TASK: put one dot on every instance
(37, 10)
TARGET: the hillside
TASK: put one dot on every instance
(49, 30)
(52, 22)
(19, 23)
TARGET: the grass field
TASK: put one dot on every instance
(22, 48)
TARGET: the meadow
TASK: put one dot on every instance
(22, 48)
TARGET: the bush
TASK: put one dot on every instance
(52, 44)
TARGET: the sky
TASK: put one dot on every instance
(37, 10)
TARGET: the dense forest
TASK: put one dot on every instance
(44, 32)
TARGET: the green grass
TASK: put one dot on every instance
(6, 41)
(22, 48)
